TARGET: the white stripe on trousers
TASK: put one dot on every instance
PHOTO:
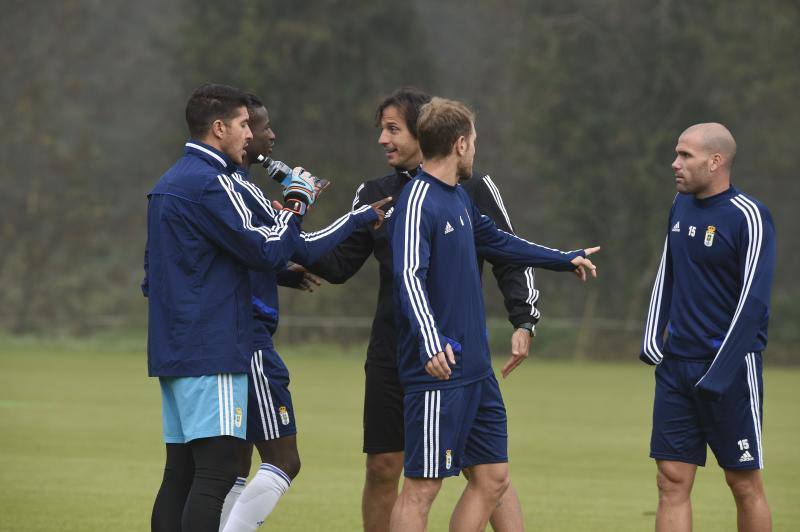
(231, 413)
(438, 406)
(265, 385)
(225, 403)
(425, 436)
(269, 418)
(266, 428)
(755, 403)
(430, 438)
(225, 396)
(219, 404)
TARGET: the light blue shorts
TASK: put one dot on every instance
(204, 407)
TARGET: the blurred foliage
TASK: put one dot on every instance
(579, 105)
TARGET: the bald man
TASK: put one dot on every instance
(711, 296)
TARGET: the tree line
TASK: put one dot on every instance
(579, 105)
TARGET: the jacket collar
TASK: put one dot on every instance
(213, 156)
(716, 198)
(408, 174)
(242, 171)
(433, 179)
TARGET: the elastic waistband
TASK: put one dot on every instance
(699, 360)
(411, 387)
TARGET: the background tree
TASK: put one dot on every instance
(579, 106)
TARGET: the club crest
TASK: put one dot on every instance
(710, 232)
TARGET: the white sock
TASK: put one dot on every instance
(258, 499)
(230, 501)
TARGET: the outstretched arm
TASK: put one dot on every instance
(491, 241)
(346, 259)
(319, 243)
(345, 231)
(261, 238)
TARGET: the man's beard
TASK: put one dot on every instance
(464, 171)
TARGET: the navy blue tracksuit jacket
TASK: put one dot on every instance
(202, 238)
(436, 232)
(712, 290)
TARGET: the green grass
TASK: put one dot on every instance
(80, 446)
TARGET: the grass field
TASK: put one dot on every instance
(80, 446)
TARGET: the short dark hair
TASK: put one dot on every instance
(441, 122)
(253, 106)
(253, 102)
(210, 102)
(408, 101)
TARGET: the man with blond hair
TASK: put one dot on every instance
(453, 411)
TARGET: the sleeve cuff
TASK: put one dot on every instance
(364, 215)
(521, 319)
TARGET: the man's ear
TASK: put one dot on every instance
(218, 128)
(715, 162)
(461, 145)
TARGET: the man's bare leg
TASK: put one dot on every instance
(675, 481)
(507, 515)
(752, 510)
(380, 490)
(410, 512)
(486, 485)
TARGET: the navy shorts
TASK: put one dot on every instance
(683, 423)
(269, 404)
(453, 428)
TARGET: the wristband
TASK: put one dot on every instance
(296, 206)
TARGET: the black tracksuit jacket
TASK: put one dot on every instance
(517, 283)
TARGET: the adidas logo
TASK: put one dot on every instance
(448, 228)
(746, 457)
(676, 228)
(389, 213)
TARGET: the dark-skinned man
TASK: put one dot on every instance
(271, 421)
